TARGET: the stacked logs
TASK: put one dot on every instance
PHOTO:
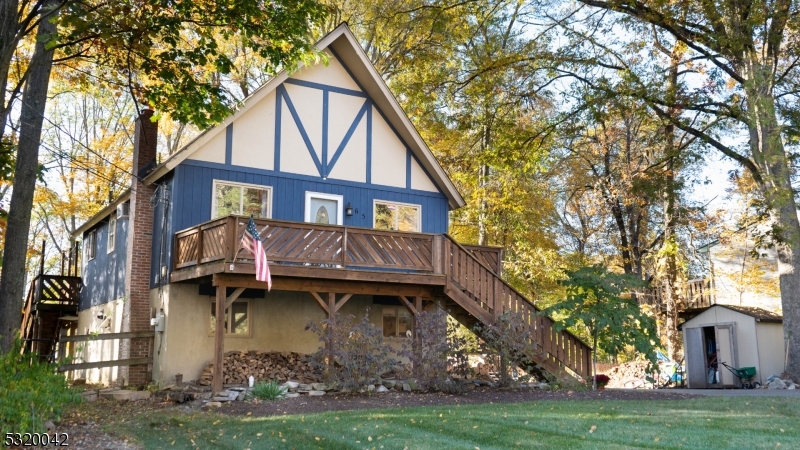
(238, 366)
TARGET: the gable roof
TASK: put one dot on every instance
(102, 214)
(760, 314)
(343, 44)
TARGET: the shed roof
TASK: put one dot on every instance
(760, 314)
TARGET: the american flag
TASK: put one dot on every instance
(252, 242)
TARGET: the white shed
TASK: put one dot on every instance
(739, 336)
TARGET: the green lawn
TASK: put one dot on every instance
(740, 423)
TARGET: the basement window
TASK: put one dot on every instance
(240, 325)
(397, 322)
(397, 216)
(241, 199)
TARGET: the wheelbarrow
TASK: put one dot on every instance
(745, 375)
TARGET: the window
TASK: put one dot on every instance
(241, 199)
(397, 216)
(90, 245)
(240, 325)
(112, 234)
(397, 322)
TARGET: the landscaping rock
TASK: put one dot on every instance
(220, 399)
(292, 395)
(242, 396)
(406, 387)
(381, 389)
(318, 387)
(370, 388)
(125, 395)
(292, 384)
(304, 387)
(233, 395)
(316, 393)
(89, 396)
(213, 405)
(50, 425)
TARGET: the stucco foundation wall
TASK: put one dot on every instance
(277, 323)
(101, 319)
(771, 349)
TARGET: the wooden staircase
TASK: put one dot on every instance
(476, 293)
(51, 299)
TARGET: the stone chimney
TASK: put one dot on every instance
(136, 310)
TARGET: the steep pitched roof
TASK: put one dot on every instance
(342, 43)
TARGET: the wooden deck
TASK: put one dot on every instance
(346, 260)
(50, 298)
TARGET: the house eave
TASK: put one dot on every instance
(95, 219)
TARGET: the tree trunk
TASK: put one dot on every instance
(766, 146)
(8, 44)
(12, 280)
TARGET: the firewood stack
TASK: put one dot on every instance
(238, 366)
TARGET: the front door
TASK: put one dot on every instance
(324, 208)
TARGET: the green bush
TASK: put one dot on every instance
(31, 392)
(268, 390)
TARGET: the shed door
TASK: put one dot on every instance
(726, 353)
(695, 358)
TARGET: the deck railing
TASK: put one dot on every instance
(694, 294)
(306, 243)
(492, 296)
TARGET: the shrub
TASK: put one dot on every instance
(601, 379)
(360, 354)
(269, 390)
(31, 392)
(510, 338)
(430, 363)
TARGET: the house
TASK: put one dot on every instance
(739, 336)
(352, 210)
(736, 276)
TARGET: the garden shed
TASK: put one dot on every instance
(739, 336)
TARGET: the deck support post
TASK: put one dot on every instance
(331, 331)
(219, 339)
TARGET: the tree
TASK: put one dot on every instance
(166, 56)
(594, 301)
(743, 59)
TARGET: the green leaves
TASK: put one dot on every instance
(172, 56)
(599, 301)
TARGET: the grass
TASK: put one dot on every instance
(752, 423)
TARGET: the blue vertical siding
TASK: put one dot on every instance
(162, 231)
(192, 195)
(104, 276)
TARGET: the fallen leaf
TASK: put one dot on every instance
(591, 430)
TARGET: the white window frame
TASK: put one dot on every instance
(111, 242)
(389, 202)
(241, 196)
(90, 245)
(339, 205)
(228, 332)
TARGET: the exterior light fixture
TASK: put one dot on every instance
(348, 210)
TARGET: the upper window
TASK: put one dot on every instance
(90, 245)
(397, 216)
(241, 199)
(112, 234)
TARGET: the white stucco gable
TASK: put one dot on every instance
(334, 121)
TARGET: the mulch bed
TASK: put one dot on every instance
(348, 402)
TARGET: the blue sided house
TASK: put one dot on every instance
(351, 208)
